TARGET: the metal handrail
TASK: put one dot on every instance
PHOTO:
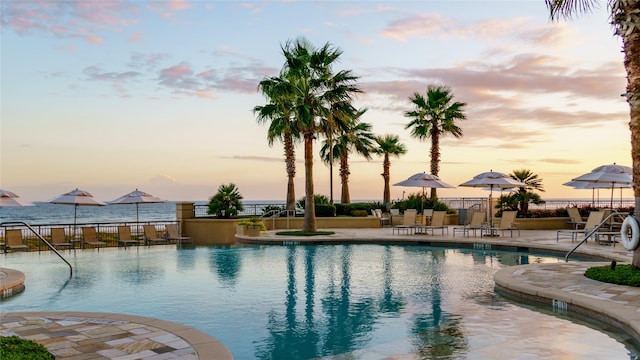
(273, 214)
(14, 223)
(588, 234)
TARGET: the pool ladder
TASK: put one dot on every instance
(22, 223)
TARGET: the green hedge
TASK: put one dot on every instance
(624, 274)
(16, 348)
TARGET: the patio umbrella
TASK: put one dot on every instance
(493, 179)
(137, 197)
(424, 181)
(7, 198)
(77, 198)
(596, 186)
(610, 175)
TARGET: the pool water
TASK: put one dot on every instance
(314, 302)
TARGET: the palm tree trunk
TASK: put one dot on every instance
(290, 162)
(345, 197)
(309, 224)
(631, 46)
(386, 196)
(435, 158)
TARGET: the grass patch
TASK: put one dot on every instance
(624, 274)
(304, 233)
(16, 348)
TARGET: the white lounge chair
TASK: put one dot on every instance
(437, 222)
(408, 222)
(507, 223)
(477, 223)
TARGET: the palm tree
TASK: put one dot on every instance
(626, 22)
(526, 194)
(227, 202)
(433, 117)
(314, 87)
(388, 145)
(278, 113)
(356, 137)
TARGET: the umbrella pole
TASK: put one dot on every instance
(75, 213)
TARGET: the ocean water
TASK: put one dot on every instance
(44, 213)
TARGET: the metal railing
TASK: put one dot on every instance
(273, 214)
(589, 233)
(51, 247)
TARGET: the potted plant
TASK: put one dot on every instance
(251, 227)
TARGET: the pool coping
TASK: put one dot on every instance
(204, 345)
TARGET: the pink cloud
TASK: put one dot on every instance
(179, 5)
(135, 37)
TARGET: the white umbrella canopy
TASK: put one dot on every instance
(137, 197)
(424, 181)
(8, 198)
(493, 179)
(593, 186)
(612, 176)
(77, 198)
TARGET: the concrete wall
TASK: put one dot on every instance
(210, 231)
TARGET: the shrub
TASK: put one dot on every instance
(16, 348)
(360, 213)
(325, 210)
(624, 274)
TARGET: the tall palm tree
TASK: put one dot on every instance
(526, 194)
(356, 137)
(338, 117)
(433, 117)
(315, 87)
(625, 19)
(278, 113)
(388, 146)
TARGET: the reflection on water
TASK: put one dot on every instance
(314, 302)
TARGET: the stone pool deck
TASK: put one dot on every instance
(95, 335)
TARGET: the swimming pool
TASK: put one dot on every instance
(304, 302)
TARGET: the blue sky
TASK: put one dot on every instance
(110, 96)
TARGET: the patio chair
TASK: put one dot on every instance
(575, 218)
(507, 222)
(594, 219)
(427, 214)
(385, 219)
(476, 224)
(90, 237)
(437, 222)
(124, 236)
(151, 236)
(174, 235)
(408, 222)
(59, 239)
(13, 240)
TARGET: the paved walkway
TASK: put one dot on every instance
(77, 336)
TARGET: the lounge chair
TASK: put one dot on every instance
(13, 240)
(59, 239)
(174, 236)
(408, 222)
(476, 224)
(151, 236)
(575, 218)
(90, 237)
(383, 217)
(437, 222)
(594, 219)
(507, 222)
(427, 214)
(124, 236)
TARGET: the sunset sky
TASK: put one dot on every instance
(110, 96)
